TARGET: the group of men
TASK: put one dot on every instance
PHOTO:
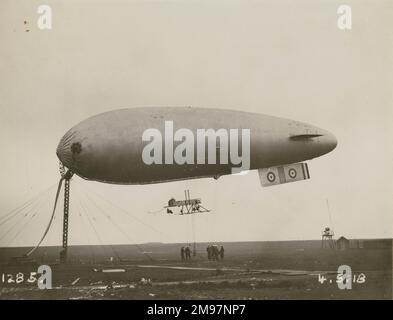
(185, 253)
(214, 252)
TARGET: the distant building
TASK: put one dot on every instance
(356, 244)
(378, 244)
(342, 243)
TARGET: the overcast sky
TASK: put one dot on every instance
(282, 58)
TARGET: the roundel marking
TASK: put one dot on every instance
(292, 173)
(271, 177)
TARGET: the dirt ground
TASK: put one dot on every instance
(269, 275)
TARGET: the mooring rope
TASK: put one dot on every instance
(156, 211)
(51, 218)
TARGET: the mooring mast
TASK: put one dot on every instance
(67, 177)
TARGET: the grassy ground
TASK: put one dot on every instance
(279, 273)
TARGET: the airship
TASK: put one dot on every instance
(160, 144)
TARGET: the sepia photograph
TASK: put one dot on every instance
(196, 150)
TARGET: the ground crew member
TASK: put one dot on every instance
(209, 252)
(188, 253)
(222, 253)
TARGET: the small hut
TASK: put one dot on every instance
(342, 243)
